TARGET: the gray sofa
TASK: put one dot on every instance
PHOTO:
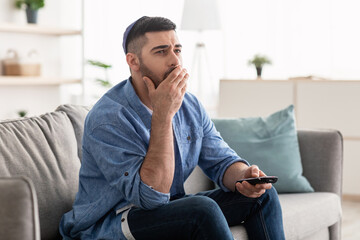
(40, 158)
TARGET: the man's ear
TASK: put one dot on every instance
(133, 61)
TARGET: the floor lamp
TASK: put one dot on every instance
(201, 15)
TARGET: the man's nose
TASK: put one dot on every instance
(175, 59)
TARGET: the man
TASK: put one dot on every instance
(142, 140)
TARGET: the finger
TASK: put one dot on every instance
(268, 186)
(257, 195)
(258, 191)
(179, 77)
(240, 188)
(256, 188)
(263, 186)
(245, 186)
(183, 83)
(183, 90)
(173, 74)
(249, 192)
(149, 84)
(261, 173)
(253, 171)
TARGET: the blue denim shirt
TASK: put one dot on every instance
(115, 142)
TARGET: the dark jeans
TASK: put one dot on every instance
(208, 215)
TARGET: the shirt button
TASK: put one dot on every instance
(126, 174)
(123, 220)
(188, 138)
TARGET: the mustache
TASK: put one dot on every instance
(168, 72)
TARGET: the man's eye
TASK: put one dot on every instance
(161, 51)
(178, 50)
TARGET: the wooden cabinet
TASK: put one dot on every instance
(333, 104)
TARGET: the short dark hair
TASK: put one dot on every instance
(136, 37)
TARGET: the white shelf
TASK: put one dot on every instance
(62, 81)
(37, 29)
(36, 81)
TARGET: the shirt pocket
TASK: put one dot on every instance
(191, 134)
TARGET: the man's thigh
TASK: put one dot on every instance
(190, 217)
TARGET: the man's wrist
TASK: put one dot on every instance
(162, 118)
(242, 169)
(233, 173)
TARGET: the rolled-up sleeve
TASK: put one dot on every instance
(119, 151)
(150, 198)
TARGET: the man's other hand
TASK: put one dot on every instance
(249, 190)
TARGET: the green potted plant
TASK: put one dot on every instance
(31, 8)
(259, 61)
(22, 113)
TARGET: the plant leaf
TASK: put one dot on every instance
(104, 83)
(98, 64)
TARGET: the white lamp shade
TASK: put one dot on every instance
(200, 15)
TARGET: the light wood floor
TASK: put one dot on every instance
(351, 220)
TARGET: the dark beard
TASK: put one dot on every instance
(168, 72)
(146, 72)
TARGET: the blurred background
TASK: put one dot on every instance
(312, 47)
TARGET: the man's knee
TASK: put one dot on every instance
(208, 219)
(272, 194)
(271, 197)
(204, 206)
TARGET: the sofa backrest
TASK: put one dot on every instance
(77, 115)
(198, 182)
(45, 149)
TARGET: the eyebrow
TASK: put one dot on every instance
(165, 46)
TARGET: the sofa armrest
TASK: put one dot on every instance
(19, 217)
(322, 159)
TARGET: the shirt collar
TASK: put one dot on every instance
(136, 104)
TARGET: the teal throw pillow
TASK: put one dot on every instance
(271, 143)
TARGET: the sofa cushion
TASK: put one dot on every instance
(305, 215)
(44, 149)
(271, 143)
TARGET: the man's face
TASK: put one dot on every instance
(160, 55)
